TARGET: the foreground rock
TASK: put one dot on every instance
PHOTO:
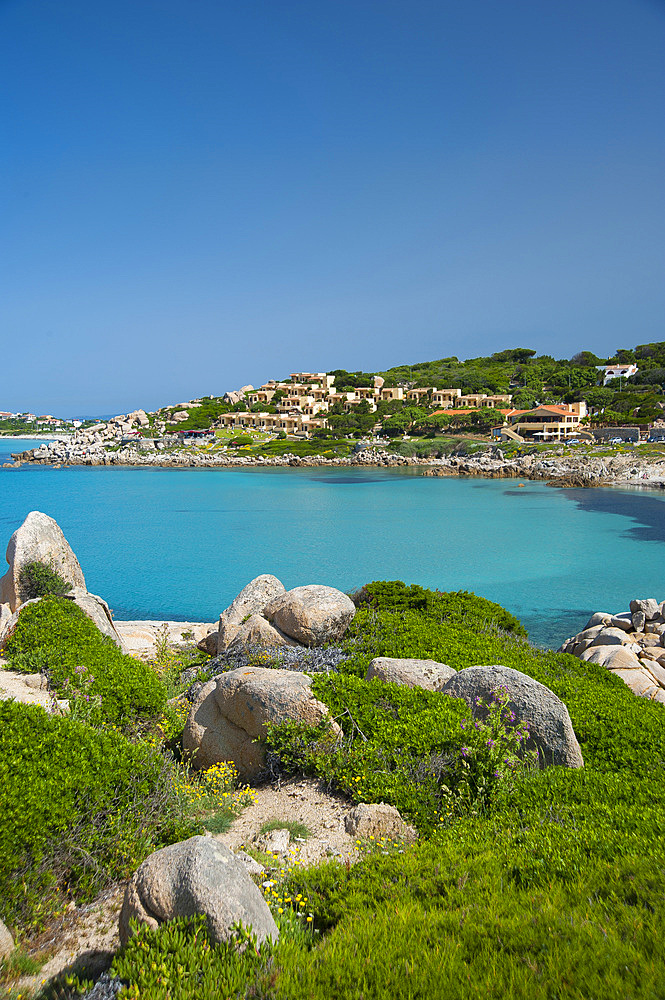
(251, 600)
(550, 728)
(426, 674)
(196, 876)
(231, 711)
(312, 615)
(378, 820)
(630, 645)
(39, 539)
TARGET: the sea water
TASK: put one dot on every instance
(181, 543)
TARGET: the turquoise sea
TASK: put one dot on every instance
(180, 544)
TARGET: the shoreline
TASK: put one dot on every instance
(564, 471)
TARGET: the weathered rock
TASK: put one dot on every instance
(251, 600)
(649, 606)
(98, 610)
(609, 637)
(551, 730)
(274, 841)
(638, 620)
(639, 681)
(231, 711)
(196, 876)
(208, 644)
(251, 864)
(378, 820)
(613, 657)
(657, 671)
(577, 648)
(650, 640)
(313, 614)
(6, 941)
(256, 631)
(5, 615)
(39, 539)
(426, 674)
(624, 622)
(599, 618)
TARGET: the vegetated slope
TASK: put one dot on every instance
(526, 883)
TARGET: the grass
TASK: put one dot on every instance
(296, 830)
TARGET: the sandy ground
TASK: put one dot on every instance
(304, 801)
(139, 637)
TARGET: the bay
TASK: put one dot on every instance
(180, 543)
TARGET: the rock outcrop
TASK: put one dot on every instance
(426, 674)
(39, 539)
(630, 644)
(550, 728)
(251, 600)
(228, 717)
(196, 876)
(312, 615)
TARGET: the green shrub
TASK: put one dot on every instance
(454, 607)
(57, 636)
(78, 806)
(398, 742)
(37, 579)
(178, 962)
(616, 730)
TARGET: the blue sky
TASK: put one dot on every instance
(196, 195)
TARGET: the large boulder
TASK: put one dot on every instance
(650, 607)
(251, 600)
(196, 876)
(98, 610)
(550, 728)
(609, 637)
(256, 631)
(313, 614)
(426, 674)
(230, 713)
(613, 657)
(39, 539)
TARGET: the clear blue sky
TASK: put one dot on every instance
(198, 194)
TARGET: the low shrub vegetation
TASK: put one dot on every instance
(56, 637)
(524, 883)
(37, 579)
(79, 806)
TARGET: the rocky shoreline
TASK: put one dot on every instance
(578, 470)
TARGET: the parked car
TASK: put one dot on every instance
(616, 440)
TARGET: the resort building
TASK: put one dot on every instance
(617, 371)
(549, 422)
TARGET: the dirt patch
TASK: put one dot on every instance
(301, 800)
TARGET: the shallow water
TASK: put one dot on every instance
(180, 543)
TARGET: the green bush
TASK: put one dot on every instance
(57, 636)
(37, 579)
(79, 807)
(454, 607)
(398, 742)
